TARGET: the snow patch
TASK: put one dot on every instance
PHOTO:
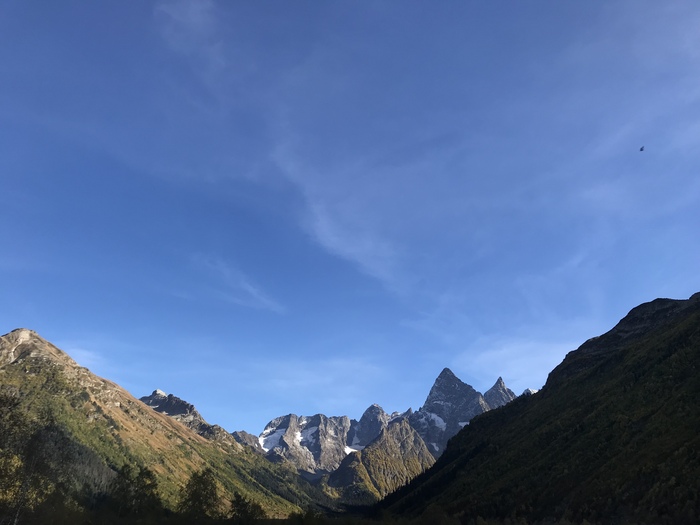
(438, 420)
(462, 424)
(270, 438)
(307, 435)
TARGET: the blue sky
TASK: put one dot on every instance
(275, 207)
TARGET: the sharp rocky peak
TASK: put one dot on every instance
(499, 394)
(448, 391)
(450, 405)
(171, 405)
(184, 412)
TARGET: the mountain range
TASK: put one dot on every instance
(612, 437)
(351, 458)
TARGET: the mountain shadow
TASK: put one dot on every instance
(613, 437)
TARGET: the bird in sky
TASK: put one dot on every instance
(641, 149)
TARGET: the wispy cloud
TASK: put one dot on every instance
(190, 28)
(235, 286)
(374, 255)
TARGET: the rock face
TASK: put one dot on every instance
(314, 444)
(498, 395)
(22, 344)
(372, 422)
(450, 405)
(250, 440)
(186, 414)
(318, 444)
(176, 408)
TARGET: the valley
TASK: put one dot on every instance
(611, 438)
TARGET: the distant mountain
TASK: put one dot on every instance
(314, 444)
(185, 413)
(361, 456)
(498, 395)
(370, 425)
(67, 434)
(611, 438)
(317, 444)
(450, 405)
(396, 456)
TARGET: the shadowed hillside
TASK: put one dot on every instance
(611, 438)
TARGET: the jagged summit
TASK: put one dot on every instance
(185, 413)
(447, 392)
(499, 394)
(314, 444)
(447, 375)
(450, 405)
(171, 405)
(372, 422)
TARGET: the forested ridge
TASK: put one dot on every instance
(612, 437)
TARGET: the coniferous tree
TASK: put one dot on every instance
(135, 492)
(199, 498)
(245, 511)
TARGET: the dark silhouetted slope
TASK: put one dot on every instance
(613, 437)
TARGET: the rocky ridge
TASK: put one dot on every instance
(318, 444)
(450, 405)
(361, 460)
(187, 414)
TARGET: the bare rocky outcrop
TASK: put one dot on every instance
(450, 405)
(314, 444)
(499, 395)
(184, 412)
